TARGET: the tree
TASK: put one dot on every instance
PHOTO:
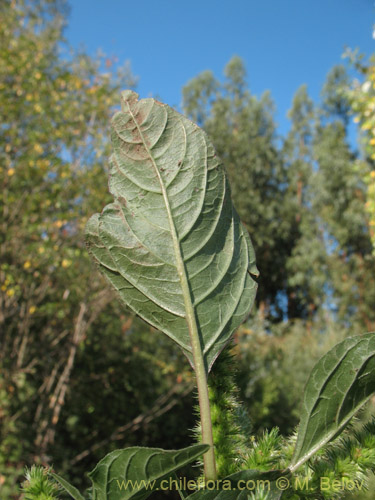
(54, 310)
(339, 204)
(362, 100)
(306, 265)
(244, 134)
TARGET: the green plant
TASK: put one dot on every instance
(173, 247)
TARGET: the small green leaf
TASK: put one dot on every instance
(339, 384)
(137, 472)
(69, 488)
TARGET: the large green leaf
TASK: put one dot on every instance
(134, 473)
(172, 244)
(339, 384)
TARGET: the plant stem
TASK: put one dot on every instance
(200, 373)
(199, 367)
(206, 424)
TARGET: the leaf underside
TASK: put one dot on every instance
(133, 473)
(172, 215)
(339, 384)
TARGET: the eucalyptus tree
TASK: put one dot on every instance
(243, 131)
(339, 204)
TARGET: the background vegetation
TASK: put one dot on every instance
(73, 361)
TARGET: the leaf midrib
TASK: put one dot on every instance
(342, 423)
(310, 411)
(190, 312)
(327, 439)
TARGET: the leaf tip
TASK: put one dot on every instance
(129, 96)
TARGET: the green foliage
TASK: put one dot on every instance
(266, 452)
(145, 467)
(340, 467)
(230, 423)
(38, 485)
(122, 474)
(361, 96)
(339, 384)
(339, 201)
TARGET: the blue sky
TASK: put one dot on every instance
(283, 43)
